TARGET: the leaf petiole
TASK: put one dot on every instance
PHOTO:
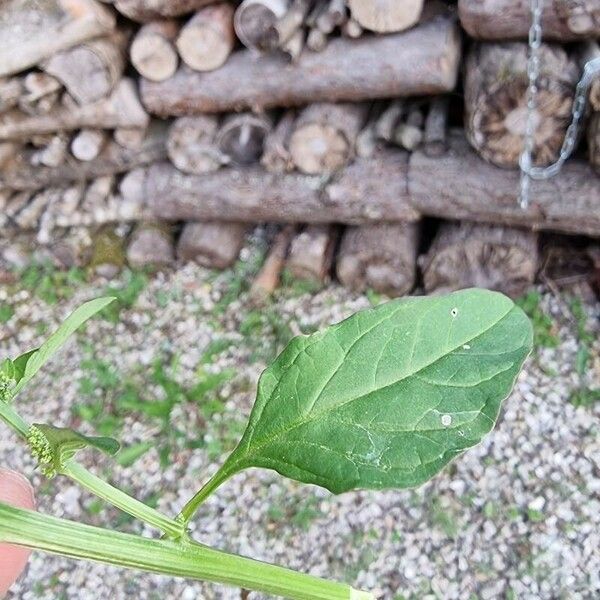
(183, 558)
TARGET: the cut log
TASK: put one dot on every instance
(276, 157)
(11, 90)
(215, 245)
(31, 31)
(293, 47)
(255, 20)
(386, 16)
(325, 134)
(352, 29)
(388, 121)
(92, 70)
(130, 137)
(367, 141)
(409, 133)
(311, 254)
(462, 186)
(254, 195)
(121, 109)
(21, 175)
(242, 137)
(191, 144)
(423, 60)
(593, 138)
(52, 155)
(151, 245)
(316, 40)
(496, 101)
(41, 93)
(589, 51)
(88, 143)
(267, 280)
(153, 52)
(207, 39)
(333, 16)
(287, 26)
(380, 257)
(465, 255)
(436, 127)
(144, 11)
(509, 19)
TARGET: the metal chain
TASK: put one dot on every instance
(592, 68)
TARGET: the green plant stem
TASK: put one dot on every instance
(102, 489)
(14, 420)
(182, 559)
(171, 527)
(222, 475)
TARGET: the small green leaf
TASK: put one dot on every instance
(31, 362)
(54, 446)
(20, 363)
(129, 455)
(386, 398)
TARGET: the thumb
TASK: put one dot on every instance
(15, 490)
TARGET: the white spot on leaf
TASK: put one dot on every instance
(466, 347)
(454, 312)
(446, 420)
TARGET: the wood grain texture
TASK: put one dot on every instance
(423, 60)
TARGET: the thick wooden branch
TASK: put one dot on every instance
(311, 254)
(423, 60)
(254, 195)
(32, 31)
(385, 16)
(215, 245)
(462, 186)
(510, 19)
(144, 11)
(121, 109)
(21, 175)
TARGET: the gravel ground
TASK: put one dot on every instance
(516, 517)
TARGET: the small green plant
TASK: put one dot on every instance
(385, 399)
(50, 284)
(544, 329)
(6, 313)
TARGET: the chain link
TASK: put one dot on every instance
(591, 69)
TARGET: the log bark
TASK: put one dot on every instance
(423, 60)
(436, 127)
(130, 137)
(324, 136)
(496, 101)
(352, 29)
(254, 195)
(254, 22)
(590, 51)
(88, 144)
(151, 245)
(268, 278)
(31, 31)
(593, 138)
(276, 157)
(153, 52)
(386, 124)
(192, 147)
(380, 257)
(465, 255)
(462, 186)
(311, 254)
(242, 137)
(121, 109)
(90, 71)
(386, 16)
(215, 245)
(144, 11)
(409, 133)
(510, 19)
(21, 175)
(207, 39)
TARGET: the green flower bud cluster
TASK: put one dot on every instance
(42, 450)
(5, 388)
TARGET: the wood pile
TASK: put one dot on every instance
(343, 121)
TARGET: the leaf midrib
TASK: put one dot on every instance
(316, 416)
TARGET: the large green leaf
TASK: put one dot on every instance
(31, 362)
(389, 396)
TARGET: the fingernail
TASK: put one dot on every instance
(16, 489)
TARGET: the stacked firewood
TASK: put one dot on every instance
(338, 120)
